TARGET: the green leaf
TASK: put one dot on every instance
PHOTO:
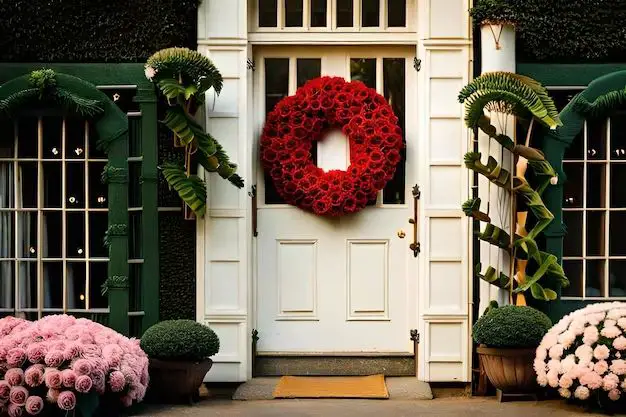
(508, 93)
(190, 91)
(192, 190)
(543, 294)
(87, 404)
(171, 88)
(180, 123)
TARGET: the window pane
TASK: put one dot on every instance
(394, 88)
(75, 185)
(573, 187)
(134, 235)
(75, 235)
(595, 278)
(98, 192)
(318, 13)
(52, 128)
(268, 11)
(364, 70)
(7, 138)
(52, 184)
(98, 224)
(27, 132)
(345, 13)
(307, 69)
(574, 272)
(573, 242)
(97, 277)
(28, 183)
(74, 138)
(396, 13)
(27, 284)
(596, 139)
(53, 285)
(618, 179)
(617, 278)
(134, 136)
(617, 226)
(370, 13)
(76, 285)
(293, 13)
(27, 234)
(7, 185)
(618, 136)
(52, 234)
(134, 184)
(7, 234)
(134, 296)
(595, 233)
(596, 185)
(276, 87)
(7, 283)
(93, 151)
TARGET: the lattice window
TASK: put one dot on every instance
(341, 15)
(594, 209)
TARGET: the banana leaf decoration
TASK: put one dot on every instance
(183, 76)
(492, 171)
(491, 276)
(525, 98)
(471, 208)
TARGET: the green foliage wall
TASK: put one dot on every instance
(565, 31)
(93, 30)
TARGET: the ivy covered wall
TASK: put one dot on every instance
(109, 31)
(562, 31)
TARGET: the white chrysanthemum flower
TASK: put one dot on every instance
(149, 72)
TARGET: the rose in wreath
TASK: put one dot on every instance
(297, 122)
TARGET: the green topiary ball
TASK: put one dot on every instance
(180, 340)
(511, 327)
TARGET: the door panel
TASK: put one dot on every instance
(343, 284)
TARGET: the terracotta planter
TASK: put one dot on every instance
(510, 370)
(176, 381)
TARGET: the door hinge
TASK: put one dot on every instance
(417, 64)
(250, 64)
(415, 336)
(252, 194)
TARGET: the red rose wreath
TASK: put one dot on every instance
(297, 121)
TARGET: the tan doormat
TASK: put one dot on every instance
(332, 387)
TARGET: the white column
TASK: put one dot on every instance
(444, 46)
(497, 54)
(223, 235)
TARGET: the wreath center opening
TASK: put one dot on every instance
(333, 151)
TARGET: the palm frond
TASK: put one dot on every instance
(191, 189)
(471, 208)
(191, 65)
(601, 106)
(508, 93)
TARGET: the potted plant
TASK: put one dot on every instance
(180, 356)
(508, 337)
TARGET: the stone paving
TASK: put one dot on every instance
(470, 407)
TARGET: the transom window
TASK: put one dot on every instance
(340, 15)
(594, 210)
(386, 74)
(54, 213)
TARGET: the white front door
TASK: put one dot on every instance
(348, 284)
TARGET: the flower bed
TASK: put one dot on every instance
(63, 363)
(584, 355)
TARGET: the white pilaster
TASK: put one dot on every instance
(223, 235)
(497, 54)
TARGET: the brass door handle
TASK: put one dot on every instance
(415, 245)
(401, 234)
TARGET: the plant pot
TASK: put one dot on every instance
(176, 381)
(510, 370)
